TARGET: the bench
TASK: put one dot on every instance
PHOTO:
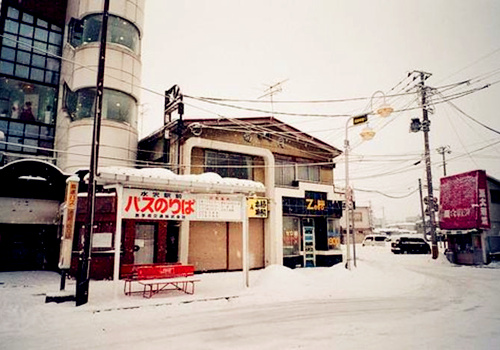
(155, 278)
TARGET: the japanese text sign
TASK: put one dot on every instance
(464, 202)
(257, 207)
(162, 205)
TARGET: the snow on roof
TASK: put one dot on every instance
(164, 178)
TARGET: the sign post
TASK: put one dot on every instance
(68, 226)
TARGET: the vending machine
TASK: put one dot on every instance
(309, 252)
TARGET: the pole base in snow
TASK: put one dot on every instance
(435, 251)
(59, 297)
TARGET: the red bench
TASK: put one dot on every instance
(155, 278)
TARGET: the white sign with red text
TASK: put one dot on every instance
(163, 205)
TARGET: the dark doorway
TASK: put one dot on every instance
(28, 247)
(172, 246)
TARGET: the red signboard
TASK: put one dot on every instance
(464, 202)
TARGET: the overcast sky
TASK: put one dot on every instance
(339, 50)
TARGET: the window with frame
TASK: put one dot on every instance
(288, 170)
(291, 236)
(88, 30)
(18, 100)
(31, 48)
(228, 164)
(117, 105)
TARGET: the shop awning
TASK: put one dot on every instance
(164, 179)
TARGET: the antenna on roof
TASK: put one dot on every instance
(271, 91)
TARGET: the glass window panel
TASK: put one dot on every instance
(13, 13)
(46, 133)
(16, 129)
(55, 50)
(42, 23)
(12, 140)
(23, 57)
(42, 98)
(284, 173)
(32, 143)
(6, 68)
(25, 43)
(52, 64)
(51, 77)
(26, 30)
(11, 26)
(8, 54)
(27, 18)
(38, 61)
(119, 106)
(3, 126)
(291, 236)
(40, 47)
(37, 74)
(21, 71)
(120, 31)
(56, 28)
(85, 103)
(41, 34)
(55, 38)
(92, 28)
(302, 172)
(31, 131)
(123, 32)
(9, 40)
(45, 144)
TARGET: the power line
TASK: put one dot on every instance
(387, 195)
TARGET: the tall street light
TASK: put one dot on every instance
(384, 110)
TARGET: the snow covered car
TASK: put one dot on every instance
(374, 240)
(410, 245)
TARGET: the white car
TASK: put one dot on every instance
(375, 240)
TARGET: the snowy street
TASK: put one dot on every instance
(387, 302)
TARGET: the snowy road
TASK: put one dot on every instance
(388, 302)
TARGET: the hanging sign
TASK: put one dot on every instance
(257, 207)
(162, 205)
(360, 119)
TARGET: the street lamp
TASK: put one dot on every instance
(384, 110)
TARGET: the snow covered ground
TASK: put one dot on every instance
(387, 302)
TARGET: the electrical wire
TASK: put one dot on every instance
(387, 195)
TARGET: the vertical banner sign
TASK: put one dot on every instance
(68, 222)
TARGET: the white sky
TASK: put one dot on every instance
(337, 50)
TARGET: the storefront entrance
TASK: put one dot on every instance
(28, 247)
(144, 244)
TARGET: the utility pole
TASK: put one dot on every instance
(83, 273)
(426, 128)
(443, 150)
(424, 226)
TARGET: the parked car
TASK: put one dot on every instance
(410, 245)
(374, 240)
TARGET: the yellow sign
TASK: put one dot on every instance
(360, 119)
(257, 207)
